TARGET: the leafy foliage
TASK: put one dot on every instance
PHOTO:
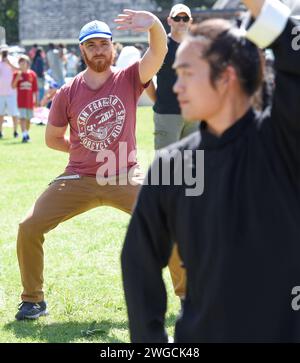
(9, 18)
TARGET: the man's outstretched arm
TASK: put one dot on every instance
(274, 28)
(142, 21)
(271, 19)
(254, 6)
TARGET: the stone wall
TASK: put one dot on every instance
(43, 21)
(59, 21)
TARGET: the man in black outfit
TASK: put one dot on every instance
(240, 239)
(169, 125)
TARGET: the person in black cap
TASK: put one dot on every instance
(238, 233)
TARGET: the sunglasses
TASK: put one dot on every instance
(178, 18)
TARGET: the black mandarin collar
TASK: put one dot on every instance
(210, 141)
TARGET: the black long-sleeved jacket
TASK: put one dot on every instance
(239, 240)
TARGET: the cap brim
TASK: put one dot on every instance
(91, 36)
(175, 13)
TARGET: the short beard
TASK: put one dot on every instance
(98, 66)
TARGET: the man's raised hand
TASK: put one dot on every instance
(138, 21)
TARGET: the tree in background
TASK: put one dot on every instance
(9, 19)
(167, 4)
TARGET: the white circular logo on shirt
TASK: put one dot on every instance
(101, 123)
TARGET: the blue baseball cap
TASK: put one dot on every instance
(94, 29)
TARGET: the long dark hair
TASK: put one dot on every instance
(224, 45)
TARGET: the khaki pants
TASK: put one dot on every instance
(178, 273)
(171, 128)
(62, 200)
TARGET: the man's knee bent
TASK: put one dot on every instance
(32, 226)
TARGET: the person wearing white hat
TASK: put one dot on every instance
(99, 107)
(168, 122)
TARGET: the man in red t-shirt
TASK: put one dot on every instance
(25, 81)
(99, 108)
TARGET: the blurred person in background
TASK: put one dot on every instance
(55, 64)
(72, 63)
(117, 50)
(38, 66)
(62, 51)
(8, 95)
(25, 81)
(32, 51)
(169, 125)
(129, 55)
(50, 93)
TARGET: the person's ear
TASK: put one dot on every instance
(81, 48)
(169, 21)
(228, 79)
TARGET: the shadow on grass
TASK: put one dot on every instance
(67, 332)
(13, 143)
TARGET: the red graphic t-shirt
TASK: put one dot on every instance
(26, 87)
(102, 122)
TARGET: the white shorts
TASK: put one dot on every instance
(26, 113)
(8, 105)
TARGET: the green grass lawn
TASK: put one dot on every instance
(82, 256)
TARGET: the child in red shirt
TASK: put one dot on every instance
(25, 81)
